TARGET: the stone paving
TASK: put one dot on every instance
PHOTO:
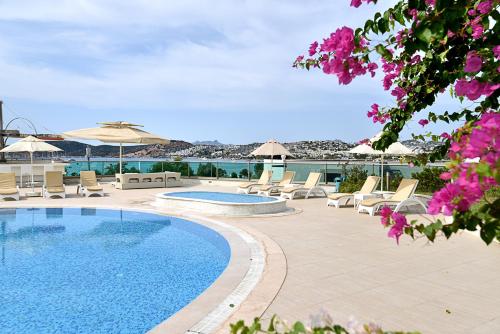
(344, 263)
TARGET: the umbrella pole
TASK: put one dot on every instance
(32, 178)
(121, 154)
(382, 174)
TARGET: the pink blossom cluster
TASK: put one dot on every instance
(423, 122)
(339, 60)
(476, 24)
(496, 52)
(376, 115)
(395, 220)
(474, 89)
(473, 62)
(467, 186)
(392, 70)
(357, 3)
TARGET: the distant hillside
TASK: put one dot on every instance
(208, 142)
(76, 149)
(311, 149)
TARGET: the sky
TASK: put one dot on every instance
(187, 70)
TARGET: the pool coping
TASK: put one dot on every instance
(212, 207)
(248, 286)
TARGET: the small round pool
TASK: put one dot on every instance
(220, 203)
(101, 271)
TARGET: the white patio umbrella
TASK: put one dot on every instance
(117, 132)
(271, 148)
(31, 145)
(394, 149)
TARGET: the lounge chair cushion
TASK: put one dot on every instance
(337, 196)
(94, 188)
(7, 181)
(292, 189)
(374, 201)
(55, 189)
(268, 187)
(8, 191)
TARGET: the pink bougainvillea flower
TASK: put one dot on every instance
(461, 87)
(472, 12)
(477, 28)
(374, 110)
(473, 62)
(355, 3)
(372, 67)
(485, 7)
(496, 51)
(398, 92)
(423, 122)
(474, 89)
(489, 89)
(445, 135)
(385, 212)
(313, 48)
(397, 229)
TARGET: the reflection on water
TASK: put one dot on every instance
(88, 211)
(54, 213)
(127, 232)
(116, 229)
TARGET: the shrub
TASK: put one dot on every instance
(429, 180)
(321, 324)
(354, 179)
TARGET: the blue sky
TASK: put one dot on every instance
(190, 70)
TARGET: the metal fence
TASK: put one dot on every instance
(244, 170)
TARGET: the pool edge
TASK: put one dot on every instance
(263, 287)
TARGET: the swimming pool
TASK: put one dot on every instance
(221, 197)
(101, 271)
(220, 203)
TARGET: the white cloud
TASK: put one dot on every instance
(185, 54)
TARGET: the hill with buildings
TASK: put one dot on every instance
(311, 149)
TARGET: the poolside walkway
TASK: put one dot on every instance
(344, 263)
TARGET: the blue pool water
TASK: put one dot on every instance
(101, 271)
(221, 197)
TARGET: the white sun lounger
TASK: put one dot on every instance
(8, 187)
(269, 189)
(88, 184)
(404, 196)
(248, 187)
(309, 188)
(54, 185)
(338, 199)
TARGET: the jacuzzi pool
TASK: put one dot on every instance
(220, 203)
(101, 271)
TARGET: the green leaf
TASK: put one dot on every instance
(488, 232)
(299, 327)
(381, 50)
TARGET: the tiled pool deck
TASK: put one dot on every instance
(342, 262)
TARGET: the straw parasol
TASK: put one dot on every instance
(30, 144)
(396, 148)
(117, 132)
